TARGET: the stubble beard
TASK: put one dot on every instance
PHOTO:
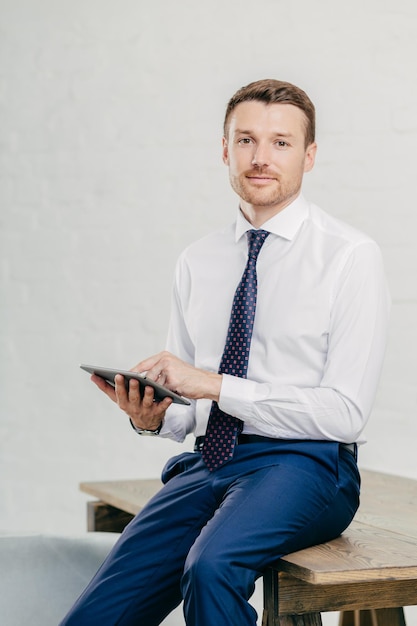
(277, 194)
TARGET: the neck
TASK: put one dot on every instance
(258, 215)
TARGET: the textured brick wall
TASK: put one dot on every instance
(111, 119)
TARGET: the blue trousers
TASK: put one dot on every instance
(207, 536)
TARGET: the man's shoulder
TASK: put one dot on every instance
(211, 242)
(337, 228)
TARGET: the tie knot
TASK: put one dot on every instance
(256, 240)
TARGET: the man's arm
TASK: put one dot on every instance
(338, 407)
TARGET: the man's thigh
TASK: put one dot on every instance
(276, 510)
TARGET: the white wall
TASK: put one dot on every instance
(111, 117)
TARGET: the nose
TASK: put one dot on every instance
(261, 156)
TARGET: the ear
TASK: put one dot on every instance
(310, 157)
(225, 152)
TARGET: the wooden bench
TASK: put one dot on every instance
(368, 574)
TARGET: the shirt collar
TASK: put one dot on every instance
(284, 224)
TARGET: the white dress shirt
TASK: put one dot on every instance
(319, 334)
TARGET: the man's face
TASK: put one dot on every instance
(266, 155)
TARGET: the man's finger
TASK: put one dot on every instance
(104, 386)
(134, 393)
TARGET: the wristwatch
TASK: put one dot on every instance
(145, 431)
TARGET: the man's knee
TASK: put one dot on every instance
(207, 570)
(203, 566)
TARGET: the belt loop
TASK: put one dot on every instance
(199, 443)
(352, 448)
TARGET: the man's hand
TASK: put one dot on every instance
(144, 412)
(167, 370)
(181, 377)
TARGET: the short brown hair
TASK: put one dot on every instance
(272, 91)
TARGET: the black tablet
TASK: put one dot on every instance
(160, 392)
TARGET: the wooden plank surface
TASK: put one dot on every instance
(389, 502)
(373, 565)
(362, 553)
(380, 544)
(297, 596)
(128, 495)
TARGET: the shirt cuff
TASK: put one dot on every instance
(179, 422)
(237, 397)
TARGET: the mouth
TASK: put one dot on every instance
(260, 180)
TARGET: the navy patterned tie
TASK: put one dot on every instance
(223, 429)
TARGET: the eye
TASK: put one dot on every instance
(245, 141)
(281, 143)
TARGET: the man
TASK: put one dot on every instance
(280, 393)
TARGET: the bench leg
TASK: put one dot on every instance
(102, 517)
(271, 615)
(373, 617)
(309, 619)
